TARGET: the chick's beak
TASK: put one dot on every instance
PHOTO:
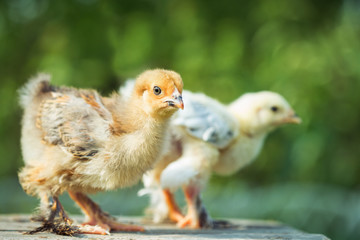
(292, 118)
(179, 102)
(175, 100)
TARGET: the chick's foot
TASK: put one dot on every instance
(57, 228)
(99, 221)
(93, 229)
(58, 222)
(197, 217)
(104, 225)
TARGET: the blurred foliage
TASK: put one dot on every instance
(309, 51)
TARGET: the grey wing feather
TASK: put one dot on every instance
(201, 120)
(73, 124)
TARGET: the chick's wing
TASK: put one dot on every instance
(77, 122)
(206, 119)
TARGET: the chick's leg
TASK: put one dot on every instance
(192, 217)
(99, 221)
(60, 210)
(58, 222)
(174, 211)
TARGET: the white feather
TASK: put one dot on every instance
(177, 174)
(32, 88)
(206, 119)
(158, 207)
(126, 89)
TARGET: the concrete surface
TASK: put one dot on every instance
(14, 226)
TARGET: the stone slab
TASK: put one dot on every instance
(14, 226)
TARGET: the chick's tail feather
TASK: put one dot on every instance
(157, 208)
(33, 88)
(28, 178)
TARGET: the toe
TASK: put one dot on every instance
(176, 217)
(184, 222)
(115, 226)
(189, 221)
(89, 229)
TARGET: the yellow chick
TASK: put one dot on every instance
(77, 141)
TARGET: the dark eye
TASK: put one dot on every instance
(157, 90)
(274, 108)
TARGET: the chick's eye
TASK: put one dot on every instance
(274, 108)
(157, 90)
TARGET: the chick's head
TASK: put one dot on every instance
(160, 92)
(262, 112)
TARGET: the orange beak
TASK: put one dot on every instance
(176, 100)
(293, 118)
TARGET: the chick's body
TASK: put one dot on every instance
(77, 141)
(201, 130)
(94, 158)
(237, 135)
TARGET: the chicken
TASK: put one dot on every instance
(77, 141)
(210, 137)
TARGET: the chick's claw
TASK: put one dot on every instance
(57, 222)
(176, 216)
(57, 228)
(188, 221)
(107, 225)
(104, 228)
(89, 229)
(115, 226)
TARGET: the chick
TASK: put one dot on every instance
(77, 141)
(210, 137)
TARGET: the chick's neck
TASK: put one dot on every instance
(129, 115)
(252, 128)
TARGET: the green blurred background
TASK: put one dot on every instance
(309, 51)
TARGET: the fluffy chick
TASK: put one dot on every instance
(213, 138)
(77, 141)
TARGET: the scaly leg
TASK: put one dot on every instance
(58, 222)
(192, 217)
(197, 216)
(99, 221)
(175, 214)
